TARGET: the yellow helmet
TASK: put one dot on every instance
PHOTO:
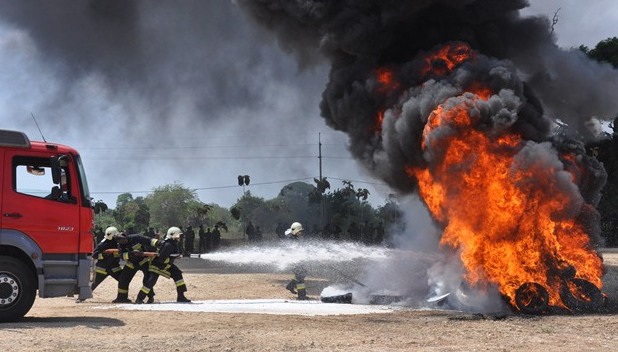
(110, 232)
(173, 233)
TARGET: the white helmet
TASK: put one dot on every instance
(296, 228)
(110, 232)
(173, 233)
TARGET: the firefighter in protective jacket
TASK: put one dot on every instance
(297, 284)
(108, 258)
(163, 265)
(137, 251)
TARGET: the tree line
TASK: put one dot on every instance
(323, 213)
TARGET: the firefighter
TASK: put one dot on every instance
(297, 284)
(163, 265)
(108, 258)
(132, 251)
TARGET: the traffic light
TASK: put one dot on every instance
(243, 180)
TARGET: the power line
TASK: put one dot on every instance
(253, 184)
(158, 158)
(213, 187)
(187, 149)
(230, 146)
(196, 147)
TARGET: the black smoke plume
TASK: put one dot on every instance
(539, 81)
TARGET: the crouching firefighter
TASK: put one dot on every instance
(297, 284)
(137, 251)
(108, 258)
(163, 265)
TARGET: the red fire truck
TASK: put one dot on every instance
(46, 241)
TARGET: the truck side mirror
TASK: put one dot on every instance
(56, 168)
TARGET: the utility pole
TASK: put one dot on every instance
(320, 152)
(244, 180)
(320, 162)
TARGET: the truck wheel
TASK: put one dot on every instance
(17, 289)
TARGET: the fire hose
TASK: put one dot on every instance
(140, 254)
(345, 276)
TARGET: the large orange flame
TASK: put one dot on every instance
(508, 222)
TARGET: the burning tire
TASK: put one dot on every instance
(581, 295)
(532, 298)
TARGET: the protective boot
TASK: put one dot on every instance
(122, 298)
(140, 297)
(291, 286)
(182, 299)
(150, 299)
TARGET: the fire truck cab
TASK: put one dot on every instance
(46, 221)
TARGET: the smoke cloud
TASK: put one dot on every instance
(385, 87)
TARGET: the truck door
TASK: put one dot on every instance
(35, 205)
(3, 170)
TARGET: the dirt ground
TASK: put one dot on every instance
(61, 324)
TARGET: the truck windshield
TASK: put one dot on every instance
(83, 182)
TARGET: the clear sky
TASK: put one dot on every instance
(156, 93)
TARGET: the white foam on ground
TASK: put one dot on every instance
(259, 306)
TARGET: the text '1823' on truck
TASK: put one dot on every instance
(46, 241)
